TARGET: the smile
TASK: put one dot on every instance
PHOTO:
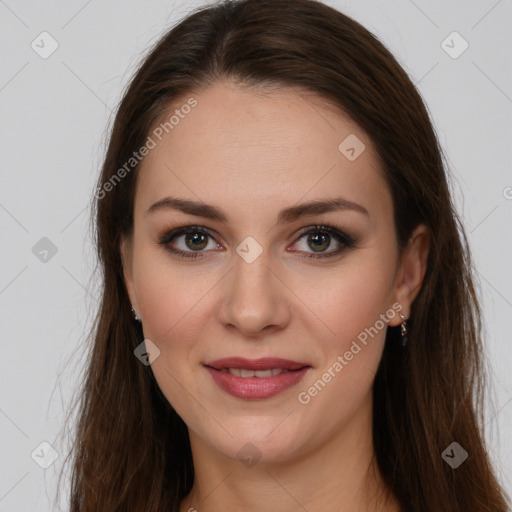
(242, 372)
(257, 378)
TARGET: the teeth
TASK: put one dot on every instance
(241, 372)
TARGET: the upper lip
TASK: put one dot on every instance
(263, 363)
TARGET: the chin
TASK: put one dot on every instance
(255, 440)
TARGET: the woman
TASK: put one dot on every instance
(288, 319)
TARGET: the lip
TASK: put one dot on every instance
(256, 364)
(256, 387)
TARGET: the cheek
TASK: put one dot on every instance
(354, 303)
(350, 300)
(355, 311)
(172, 304)
(176, 306)
(171, 298)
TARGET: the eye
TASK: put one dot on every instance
(191, 241)
(319, 239)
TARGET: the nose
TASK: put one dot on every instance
(254, 299)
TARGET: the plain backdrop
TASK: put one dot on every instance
(55, 112)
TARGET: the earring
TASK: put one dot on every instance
(137, 318)
(403, 329)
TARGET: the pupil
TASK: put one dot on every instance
(321, 241)
(196, 238)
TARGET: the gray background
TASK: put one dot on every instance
(55, 113)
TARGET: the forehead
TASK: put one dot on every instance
(248, 146)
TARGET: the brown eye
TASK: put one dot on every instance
(319, 242)
(318, 239)
(188, 242)
(196, 241)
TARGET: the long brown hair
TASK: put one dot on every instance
(131, 450)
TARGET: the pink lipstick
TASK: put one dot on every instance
(256, 378)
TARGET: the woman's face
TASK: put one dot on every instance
(246, 282)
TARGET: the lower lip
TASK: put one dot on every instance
(256, 387)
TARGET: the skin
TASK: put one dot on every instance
(252, 153)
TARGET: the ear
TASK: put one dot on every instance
(411, 271)
(126, 249)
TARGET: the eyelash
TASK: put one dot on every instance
(346, 240)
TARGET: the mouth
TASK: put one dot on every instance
(256, 365)
(256, 378)
(244, 373)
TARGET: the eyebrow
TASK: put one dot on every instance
(289, 214)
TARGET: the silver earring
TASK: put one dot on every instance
(137, 318)
(403, 329)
